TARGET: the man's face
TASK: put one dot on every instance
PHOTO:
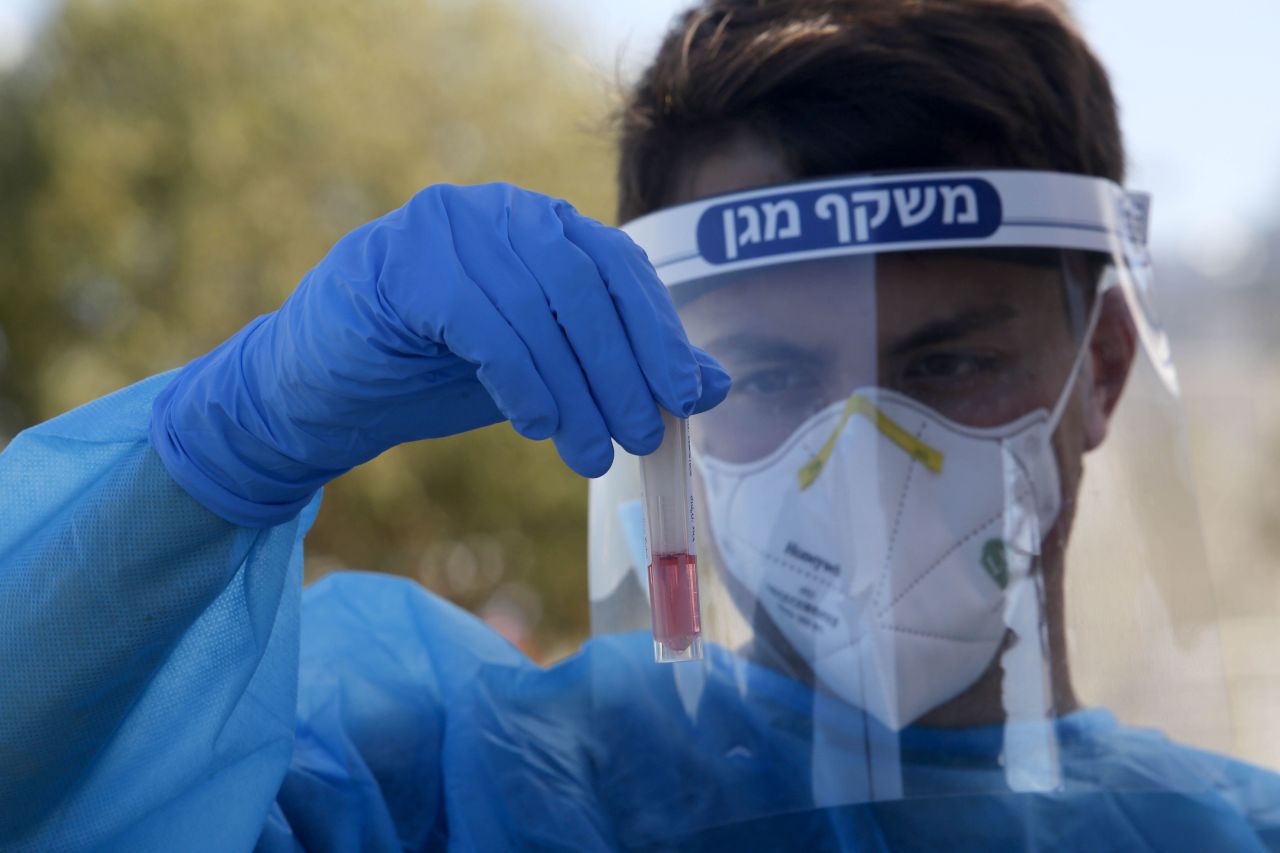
(981, 338)
(981, 341)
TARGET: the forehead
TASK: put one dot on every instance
(740, 161)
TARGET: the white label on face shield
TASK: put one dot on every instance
(885, 567)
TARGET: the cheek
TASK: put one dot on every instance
(733, 433)
(1035, 379)
(1069, 447)
(1015, 396)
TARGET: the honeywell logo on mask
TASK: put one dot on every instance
(797, 553)
(860, 213)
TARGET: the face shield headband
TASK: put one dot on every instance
(893, 213)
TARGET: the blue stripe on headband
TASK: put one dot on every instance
(860, 213)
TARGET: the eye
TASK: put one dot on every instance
(778, 380)
(948, 366)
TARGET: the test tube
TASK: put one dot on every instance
(665, 478)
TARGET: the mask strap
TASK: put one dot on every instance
(1090, 326)
(928, 456)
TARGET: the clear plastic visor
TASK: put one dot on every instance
(948, 545)
(979, 337)
(945, 508)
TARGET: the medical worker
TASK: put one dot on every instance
(900, 226)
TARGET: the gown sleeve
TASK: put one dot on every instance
(148, 648)
(389, 679)
(166, 684)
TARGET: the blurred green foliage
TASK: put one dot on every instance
(169, 169)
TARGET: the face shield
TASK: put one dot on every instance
(945, 522)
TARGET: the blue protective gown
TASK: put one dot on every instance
(165, 684)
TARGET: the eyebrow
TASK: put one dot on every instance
(749, 346)
(952, 328)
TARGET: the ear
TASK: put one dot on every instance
(1111, 353)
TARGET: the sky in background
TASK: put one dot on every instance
(1199, 90)
(1197, 83)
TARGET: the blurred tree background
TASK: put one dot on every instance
(168, 170)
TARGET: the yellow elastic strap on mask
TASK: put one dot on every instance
(859, 405)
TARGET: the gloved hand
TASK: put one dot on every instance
(467, 306)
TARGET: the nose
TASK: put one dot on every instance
(857, 404)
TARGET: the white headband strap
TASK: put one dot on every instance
(887, 213)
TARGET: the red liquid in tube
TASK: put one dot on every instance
(673, 600)
(666, 476)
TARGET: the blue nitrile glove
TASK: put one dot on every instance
(465, 307)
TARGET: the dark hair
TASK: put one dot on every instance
(849, 86)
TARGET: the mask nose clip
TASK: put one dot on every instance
(857, 404)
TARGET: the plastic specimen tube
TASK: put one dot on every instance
(673, 559)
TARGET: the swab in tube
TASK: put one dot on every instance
(673, 559)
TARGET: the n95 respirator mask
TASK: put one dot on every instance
(880, 539)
